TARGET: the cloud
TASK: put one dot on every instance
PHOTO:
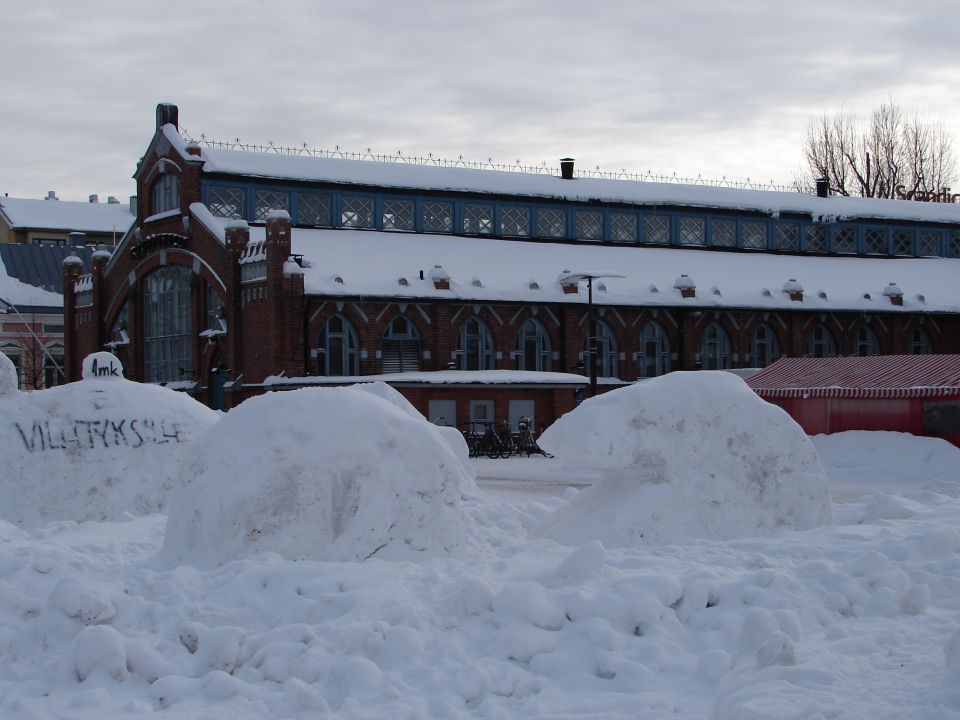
(696, 87)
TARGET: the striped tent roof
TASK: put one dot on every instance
(882, 376)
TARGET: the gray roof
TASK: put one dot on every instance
(41, 265)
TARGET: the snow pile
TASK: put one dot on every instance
(332, 474)
(95, 449)
(452, 436)
(861, 462)
(687, 455)
(8, 377)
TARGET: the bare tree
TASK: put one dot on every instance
(892, 153)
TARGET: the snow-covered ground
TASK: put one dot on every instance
(856, 619)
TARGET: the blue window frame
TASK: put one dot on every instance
(397, 214)
(165, 194)
(754, 234)
(765, 348)
(337, 349)
(356, 212)
(227, 202)
(815, 239)
(715, 348)
(928, 243)
(653, 357)
(623, 227)
(266, 200)
(845, 240)
(514, 221)
(723, 232)
(822, 343)
(314, 209)
(478, 219)
(875, 241)
(904, 242)
(475, 348)
(532, 350)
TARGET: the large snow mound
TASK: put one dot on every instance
(861, 462)
(320, 474)
(95, 449)
(687, 455)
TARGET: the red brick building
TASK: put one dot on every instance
(247, 270)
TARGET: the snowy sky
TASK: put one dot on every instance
(692, 87)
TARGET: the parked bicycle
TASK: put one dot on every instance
(525, 441)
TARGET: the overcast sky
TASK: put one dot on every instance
(711, 88)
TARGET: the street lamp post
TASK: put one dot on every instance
(577, 277)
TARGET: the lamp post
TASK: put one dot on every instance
(568, 278)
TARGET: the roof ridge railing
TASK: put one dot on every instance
(488, 164)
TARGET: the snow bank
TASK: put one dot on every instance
(860, 462)
(331, 474)
(8, 377)
(94, 449)
(688, 455)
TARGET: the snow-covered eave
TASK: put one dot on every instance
(212, 224)
(169, 133)
(880, 306)
(513, 378)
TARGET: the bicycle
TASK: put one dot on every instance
(525, 441)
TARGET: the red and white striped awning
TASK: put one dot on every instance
(882, 376)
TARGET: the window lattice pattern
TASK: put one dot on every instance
(656, 229)
(755, 235)
(478, 219)
(313, 210)
(226, 202)
(398, 215)
(692, 231)
(437, 217)
(788, 237)
(166, 324)
(903, 242)
(267, 200)
(929, 244)
(816, 239)
(623, 227)
(953, 246)
(515, 221)
(875, 241)
(845, 240)
(356, 212)
(551, 223)
(724, 233)
(589, 225)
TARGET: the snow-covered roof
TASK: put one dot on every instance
(486, 269)
(408, 176)
(32, 275)
(883, 376)
(65, 216)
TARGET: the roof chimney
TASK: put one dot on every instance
(51, 195)
(566, 168)
(94, 198)
(823, 187)
(167, 115)
(133, 204)
(112, 200)
(77, 239)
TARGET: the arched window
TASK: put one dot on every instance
(867, 342)
(765, 348)
(533, 347)
(608, 352)
(475, 349)
(715, 348)
(919, 342)
(653, 359)
(336, 351)
(822, 343)
(166, 193)
(167, 336)
(400, 347)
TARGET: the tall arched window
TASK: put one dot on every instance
(166, 324)
(608, 352)
(765, 348)
(475, 350)
(166, 193)
(400, 347)
(533, 347)
(337, 349)
(866, 342)
(919, 342)
(653, 359)
(822, 343)
(715, 348)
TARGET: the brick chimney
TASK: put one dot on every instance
(895, 294)
(794, 289)
(566, 168)
(440, 278)
(686, 286)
